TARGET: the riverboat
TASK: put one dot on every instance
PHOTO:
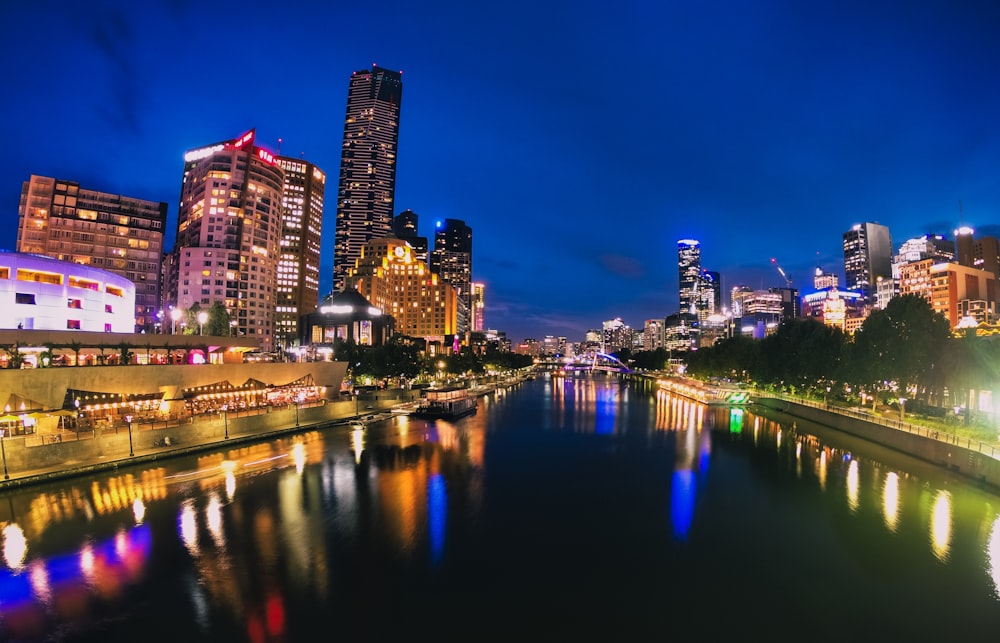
(446, 404)
(712, 394)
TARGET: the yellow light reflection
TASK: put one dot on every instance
(229, 467)
(15, 546)
(213, 517)
(853, 484)
(87, 561)
(821, 473)
(189, 527)
(778, 445)
(993, 556)
(890, 500)
(358, 444)
(299, 456)
(941, 526)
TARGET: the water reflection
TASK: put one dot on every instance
(993, 557)
(890, 500)
(941, 525)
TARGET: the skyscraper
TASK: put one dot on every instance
(367, 190)
(451, 259)
(867, 256)
(228, 235)
(478, 307)
(688, 271)
(298, 263)
(116, 233)
(404, 226)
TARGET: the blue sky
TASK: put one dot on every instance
(579, 140)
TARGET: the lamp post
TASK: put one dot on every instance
(128, 419)
(298, 400)
(202, 318)
(3, 450)
(225, 418)
(175, 315)
(902, 408)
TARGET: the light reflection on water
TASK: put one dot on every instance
(337, 513)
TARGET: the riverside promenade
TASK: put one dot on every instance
(25, 465)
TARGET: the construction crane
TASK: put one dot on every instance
(788, 280)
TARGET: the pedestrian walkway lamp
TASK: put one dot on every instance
(202, 318)
(902, 408)
(225, 418)
(298, 401)
(128, 418)
(175, 314)
(6, 476)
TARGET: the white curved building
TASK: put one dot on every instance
(40, 293)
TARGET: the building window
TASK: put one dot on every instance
(24, 298)
(73, 324)
(74, 303)
(108, 308)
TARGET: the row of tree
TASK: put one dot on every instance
(906, 350)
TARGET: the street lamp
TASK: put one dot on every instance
(202, 318)
(175, 315)
(298, 400)
(3, 450)
(225, 418)
(128, 418)
(902, 408)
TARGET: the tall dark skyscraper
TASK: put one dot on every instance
(867, 256)
(688, 272)
(404, 226)
(367, 190)
(451, 260)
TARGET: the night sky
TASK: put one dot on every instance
(578, 140)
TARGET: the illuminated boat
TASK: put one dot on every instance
(713, 394)
(446, 404)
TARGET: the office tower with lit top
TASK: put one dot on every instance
(298, 261)
(120, 234)
(366, 192)
(867, 256)
(478, 307)
(689, 273)
(228, 235)
(451, 259)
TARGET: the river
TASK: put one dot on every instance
(578, 508)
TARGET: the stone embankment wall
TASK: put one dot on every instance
(968, 462)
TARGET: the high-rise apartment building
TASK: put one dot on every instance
(867, 256)
(451, 259)
(394, 280)
(689, 273)
(367, 190)
(298, 261)
(229, 224)
(120, 234)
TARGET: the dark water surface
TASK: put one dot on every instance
(566, 509)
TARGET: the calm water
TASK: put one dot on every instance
(576, 509)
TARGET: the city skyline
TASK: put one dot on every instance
(579, 155)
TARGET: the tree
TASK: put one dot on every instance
(218, 320)
(899, 346)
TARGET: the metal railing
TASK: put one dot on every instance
(992, 450)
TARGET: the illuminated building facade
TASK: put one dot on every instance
(41, 293)
(478, 307)
(867, 256)
(367, 188)
(838, 308)
(344, 316)
(120, 234)
(822, 280)
(689, 272)
(451, 260)
(229, 225)
(394, 280)
(652, 334)
(298, 261)
(757, 312)
(958, 291)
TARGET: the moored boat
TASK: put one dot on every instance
(713, 394)
(446, 404)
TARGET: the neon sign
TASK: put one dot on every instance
(245, 139)
(265, 156)
(195, 155)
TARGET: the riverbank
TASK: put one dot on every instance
(30, 463)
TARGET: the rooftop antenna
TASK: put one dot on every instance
(279, 147)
